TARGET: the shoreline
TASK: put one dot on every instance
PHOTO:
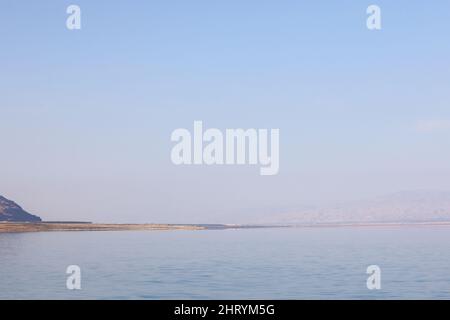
(18, 227)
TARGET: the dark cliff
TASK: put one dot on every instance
(10, 211)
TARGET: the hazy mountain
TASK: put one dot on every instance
(410, 206)
(10, 211)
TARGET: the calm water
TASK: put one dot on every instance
(252, 263)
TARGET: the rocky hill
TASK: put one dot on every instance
(10, 211)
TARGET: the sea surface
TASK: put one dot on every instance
(281, 263)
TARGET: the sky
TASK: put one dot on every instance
(86, 115)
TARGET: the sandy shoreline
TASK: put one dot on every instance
(11, 227)
(15, 227)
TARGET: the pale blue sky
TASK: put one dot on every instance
(87, 115)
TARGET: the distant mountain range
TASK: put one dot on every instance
(400, 207)
(409, 206)
(10, 211)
